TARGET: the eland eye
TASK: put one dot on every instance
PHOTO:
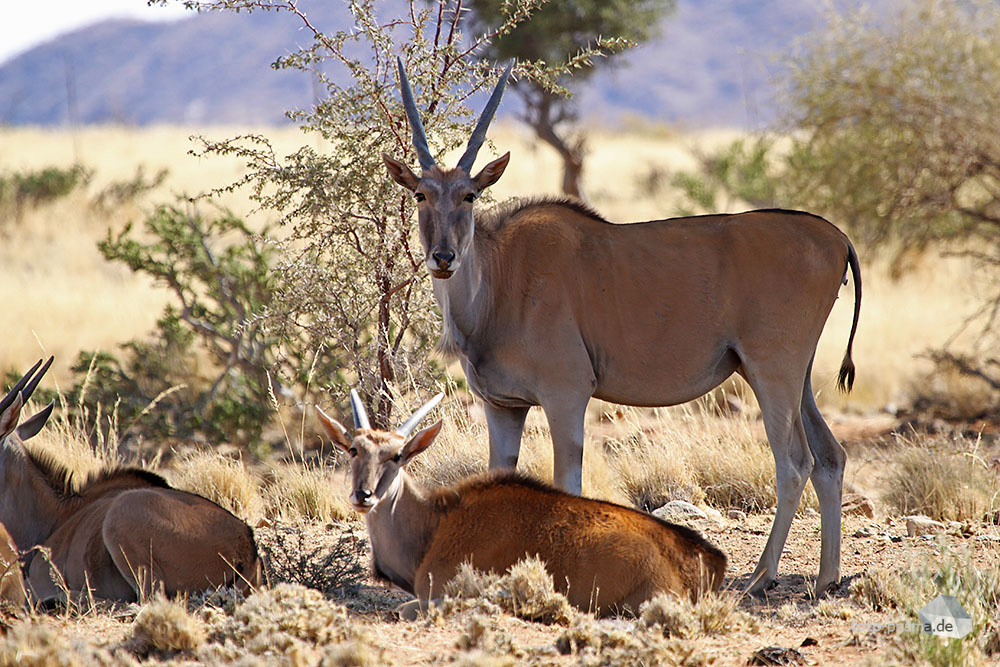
(353, 451)
(471, 197)
(419, 196)
(398, 457)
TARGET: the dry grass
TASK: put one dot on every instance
(712, 614)
(526, 590)
(223, 480)
(945, 480)
(286, 619)
(314, 492)
(164, 625)
(38, 642)
(907, 589)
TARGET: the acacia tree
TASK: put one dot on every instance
(563, 31)
(352, 267)
(900, 137)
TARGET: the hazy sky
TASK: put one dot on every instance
(30, 22)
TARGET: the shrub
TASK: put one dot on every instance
(335, 564)
(353, 270)
(211, 368)
(20, 190)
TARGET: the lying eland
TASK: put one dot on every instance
(547, 303)
(124, 531)
(606, 558)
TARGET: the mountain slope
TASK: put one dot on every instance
(712, 64)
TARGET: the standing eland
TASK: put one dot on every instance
(123, 532)
(603, 556)
(547, 303)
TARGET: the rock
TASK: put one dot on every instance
(713, 513)
(776, 655)
(867, 531)
(918, 524)
(810, 512)
(987, 538)
(679, 510)
(854, 504)
(737, 515)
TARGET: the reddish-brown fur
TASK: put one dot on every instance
(601, 555)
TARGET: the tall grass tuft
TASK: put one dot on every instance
(945, 481)
(225, 481)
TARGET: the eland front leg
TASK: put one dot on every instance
(506, 426)
(566, 419)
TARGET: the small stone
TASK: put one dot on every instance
(679, 510)
(737, 515)
(918, 524)
(866, 531)
(987, 538)
(810, 512)
(854, 504)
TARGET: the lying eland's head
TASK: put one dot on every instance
(377, 456)
(445, 196)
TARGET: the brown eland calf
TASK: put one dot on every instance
(125, 531)
(603, 556)
(547, 303)
(12, 589)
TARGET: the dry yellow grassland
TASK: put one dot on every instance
(59, 296)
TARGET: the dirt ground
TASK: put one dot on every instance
(835, 632)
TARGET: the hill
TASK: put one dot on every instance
(712, 64)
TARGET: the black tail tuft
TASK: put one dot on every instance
(845, 379)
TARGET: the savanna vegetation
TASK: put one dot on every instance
(193, 335)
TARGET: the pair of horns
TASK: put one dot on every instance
(361, 417)
(26, 385)
(478, 134)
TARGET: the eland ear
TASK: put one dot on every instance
(34, 424)
(421, 441)
(333, 428)
(491, 173)
(401, 173)
(9, 417)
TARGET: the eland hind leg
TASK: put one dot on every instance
(780, 396)
(828, 480)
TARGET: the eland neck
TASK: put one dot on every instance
(29, 507)
(400, 528)
(464, 298)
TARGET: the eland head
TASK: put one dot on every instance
(445, 196)
(377, 456)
